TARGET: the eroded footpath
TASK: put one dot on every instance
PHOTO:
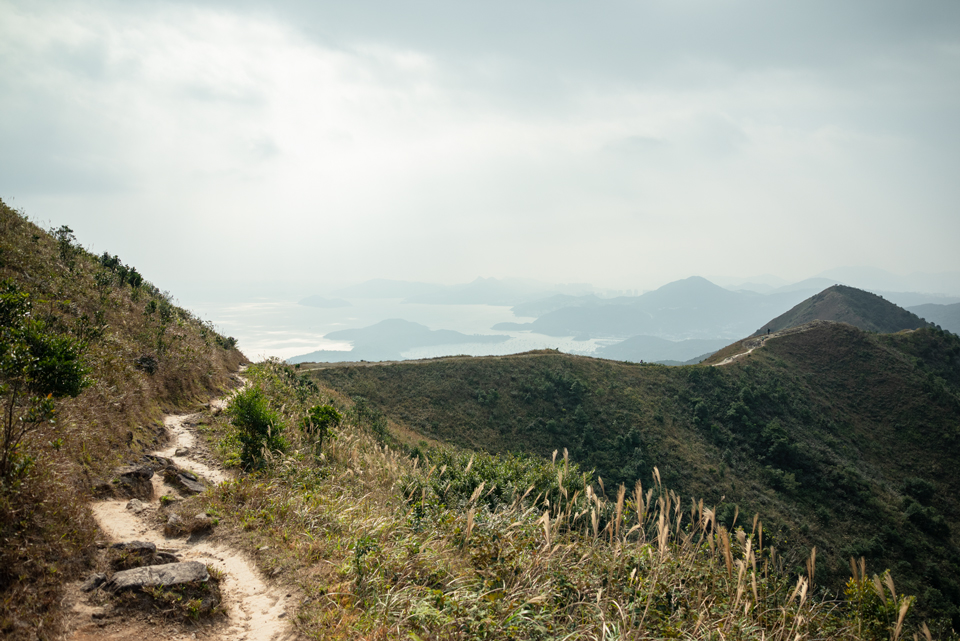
(256, 610)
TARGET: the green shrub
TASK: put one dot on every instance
(319, 420)
(259, 427)
(37, 366)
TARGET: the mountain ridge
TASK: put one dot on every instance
(849, 305)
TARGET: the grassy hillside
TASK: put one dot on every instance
(132, 355)
(839, 438)
(848, 305)
(452, 544)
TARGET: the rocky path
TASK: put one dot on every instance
(255, 609)
(753, 343)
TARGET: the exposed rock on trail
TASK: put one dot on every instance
(134, 481)
(255, 610)
(168, 574)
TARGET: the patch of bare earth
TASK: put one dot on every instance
(255, 610)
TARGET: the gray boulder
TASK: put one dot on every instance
(153, 575)
(134, 481)
(174, 526)
(186, 481)
(135, 547)
(157, 463)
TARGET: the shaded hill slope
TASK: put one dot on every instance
(841, 439)
(946, 316)
(140, 355)
(848, 305)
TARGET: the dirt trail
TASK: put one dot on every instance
(256, 610)
(759, 341)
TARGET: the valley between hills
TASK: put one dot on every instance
(800, 483)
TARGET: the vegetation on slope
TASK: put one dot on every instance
(848, 305)
(801, 431)
(113, 353)
(445, 543)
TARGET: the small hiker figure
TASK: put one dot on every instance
(768, 331)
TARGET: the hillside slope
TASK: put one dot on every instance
(800, 431)
(848, 305)
(946, 316)
(138, 355)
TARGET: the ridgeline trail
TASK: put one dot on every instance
(758, 341)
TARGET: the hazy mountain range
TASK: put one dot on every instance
(685, 309)
(683, 320)
(387, 339)
(482, 291)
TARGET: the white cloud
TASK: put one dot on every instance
(231, 144)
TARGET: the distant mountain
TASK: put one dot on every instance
(386, 288)
(815, 284)
(486, 291)
(543, 306)
(684, 309)
(946, 316)
(386, 340)
(848, 305)
(652, 349)
(325, 303)
(759, 288)
(915, 299)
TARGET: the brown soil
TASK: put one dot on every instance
(256, 609)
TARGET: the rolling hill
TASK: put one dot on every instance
(847, 305)
(801, 431)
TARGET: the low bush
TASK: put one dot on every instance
(259, 428)
(318, 422)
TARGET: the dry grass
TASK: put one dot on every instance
(48, 533)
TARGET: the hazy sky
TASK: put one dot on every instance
(621, 143)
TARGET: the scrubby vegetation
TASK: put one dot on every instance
(91, 355)
(817, 431)
(430, 542)
(526, 497)
(850, 305)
